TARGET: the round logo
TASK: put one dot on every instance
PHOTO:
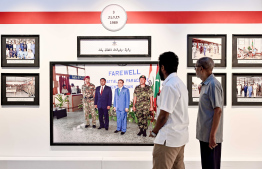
(113, 17)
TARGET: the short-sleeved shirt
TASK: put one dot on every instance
(211, 97)
(88, 92)
(174, 100)
(143, 94)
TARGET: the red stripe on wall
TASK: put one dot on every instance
(153, 17)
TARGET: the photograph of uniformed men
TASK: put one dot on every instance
(196, 86)
(249, 48)
(20, 86)
(249, 87)
(206, 47)
(20, 48)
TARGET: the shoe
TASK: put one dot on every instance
(94, 126)
(116, 131)
(122, 133)
(106, 128)
(140, 132)
(87, 126)
(144, 133)
(100, 127)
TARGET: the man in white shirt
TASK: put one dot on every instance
(171, 130)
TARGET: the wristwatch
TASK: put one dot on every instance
(153, 134)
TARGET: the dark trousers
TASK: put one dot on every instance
(210, 159)
(103, 117)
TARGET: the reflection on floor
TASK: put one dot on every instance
(17, 94)
(71, 129)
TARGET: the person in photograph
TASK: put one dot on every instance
(30, 54)
(194, 50)
(73, 89)
(254, 53)
(209, 130)
(17, 45)
(64, 89)
(29, 44)
(25, 45)
(255, 90)
(143, 104)
(211, 48)
(245, 90)
(215, 48)
(33, 47)
(201, 48)
(171, 130)
(88, 90)
(246, 52)
(103, 102)
(239, 89)
(11, 53)
(205, 48)
(20, 54)
(121, 105)
(7, 53)
(15, 53)
(78, 89)
(24, 56)
(11, 45)
(7, 45)
(250, 90)
(22, 45)
(14, 45)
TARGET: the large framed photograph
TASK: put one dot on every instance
(247, 89)
(114, 46)
(20, 89)
(213, 46)
(74, 88)
(20, 50)
(194, 86)
(247, 51)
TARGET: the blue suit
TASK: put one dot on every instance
(102, 101)
(121, 102)
(250, 90)
(245, 90)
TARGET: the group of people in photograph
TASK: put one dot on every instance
(249, 53)
(249, 90)
(205, 49)
(21, 90)
(20, 49)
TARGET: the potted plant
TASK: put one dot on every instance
(61, 100)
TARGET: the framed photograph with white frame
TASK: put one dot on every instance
(114, 46)
(194, 85)
(20, 51)
(247, 89)
(247, 50)
(206, 45)
(20, 89)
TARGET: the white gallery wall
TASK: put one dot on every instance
(25, 130)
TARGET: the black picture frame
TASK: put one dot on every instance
(194, 100)
(113, 38)
(119, 63)
(245, 101)
(20, 62)
(4, 99)
(242, 59)
(218, 62)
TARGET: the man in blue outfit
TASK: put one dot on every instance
(103, 101)
(245, 90)
(121, 105)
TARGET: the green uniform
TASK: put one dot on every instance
(142, 105)
(88, 102)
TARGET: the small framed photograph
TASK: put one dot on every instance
(247, 51)
(194, 85)
(20, 50)
(247, 89)
(114, 46)
(213, 46)
(20, 89)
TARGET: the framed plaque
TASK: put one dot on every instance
(114, 46)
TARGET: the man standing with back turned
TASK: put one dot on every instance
(171, 130)
(210, 115)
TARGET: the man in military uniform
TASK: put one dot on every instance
(142, 104)
(88, 90)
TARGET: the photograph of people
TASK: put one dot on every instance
(143, 104)
(249, 48)
(64, 90)
(249, 87)
(206, 47)
(103, 101)
(121, 105)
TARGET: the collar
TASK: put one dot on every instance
(168, 78)
(206, 82)
(120, 88)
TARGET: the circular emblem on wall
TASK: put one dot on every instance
(113, 17)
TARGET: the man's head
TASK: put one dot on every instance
(87, 79)
(204, 67)
(120, 83)
(77, 87)
(72, 85)
(64, 86)
(142, 80)
(168, 63)
(102, 81)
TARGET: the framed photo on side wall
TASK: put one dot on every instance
(20, 50)
(247, 51)
(20, 89)
(247, 89)
(213, 46)
(194, 86)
